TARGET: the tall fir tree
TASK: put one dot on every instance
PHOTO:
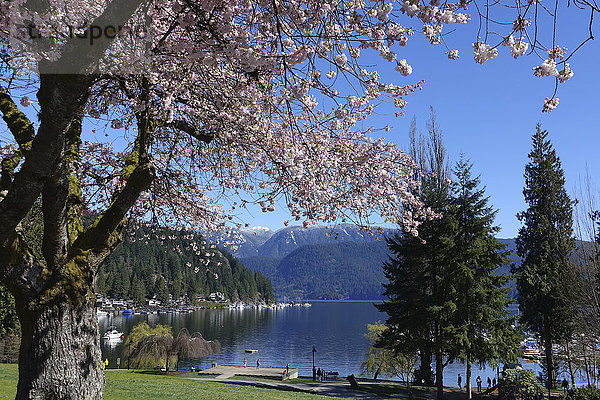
(546, 279)
(420, 305)
(485, 330)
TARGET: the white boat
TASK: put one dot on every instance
(112, 334)
(101, 313)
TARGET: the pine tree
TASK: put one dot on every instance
(546, 279)
(485, 330)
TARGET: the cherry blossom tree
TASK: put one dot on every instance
(206, 106)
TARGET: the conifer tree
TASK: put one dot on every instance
(485, 330)
(546, 279)
(420, 305)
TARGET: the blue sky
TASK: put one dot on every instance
(489, 113)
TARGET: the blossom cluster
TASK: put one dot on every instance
(549, 67)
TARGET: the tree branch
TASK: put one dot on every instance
(62, 204)
(23, 132)
(78, 55)
(20, 271)
(104, 234)
(61, 98)
(16, 121)
(185, 127)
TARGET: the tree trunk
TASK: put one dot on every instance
(424, 375)
(439, 375)
(60, 353)
(570, 364)
(468, 379)
(549, 361)
(586, 364)
(377, 372)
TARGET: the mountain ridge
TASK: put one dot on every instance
(323, 262)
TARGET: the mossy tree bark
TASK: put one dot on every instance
(60, 353)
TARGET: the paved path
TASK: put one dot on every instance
(228, 371)
(333, 389)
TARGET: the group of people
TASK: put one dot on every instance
(320, 374)
(257, 362)
(490, 382)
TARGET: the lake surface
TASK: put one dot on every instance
(281, 336)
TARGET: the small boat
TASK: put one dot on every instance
(251, 351)
(530, 349)
(127, 311)
(101, 313)
(112, 334)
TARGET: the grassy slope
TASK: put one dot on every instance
(123, 385)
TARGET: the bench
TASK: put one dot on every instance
(353, 382)
(332, 374)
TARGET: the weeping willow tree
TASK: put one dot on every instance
(151, 346)
(387, 362)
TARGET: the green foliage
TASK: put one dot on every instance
(547, 281)
(147, 347)
(314, 270)
(485, 330)
(421, 294)
(381, 361)
(519, 384)
(168, 265)
(143, 329)
(8, 316)
(447, 295)
(586, 393)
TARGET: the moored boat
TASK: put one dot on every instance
(112, 334)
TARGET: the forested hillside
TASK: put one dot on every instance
(311, 263)
(347, 270)
(170, 265)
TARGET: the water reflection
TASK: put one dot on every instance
(281, 336)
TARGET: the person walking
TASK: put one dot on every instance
(565, 384)
(245, 362)
(489, 383)
(478, 384)
(459, 381)
(257, 363)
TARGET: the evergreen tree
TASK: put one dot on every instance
(161, 291)
(421, 306)
(138, 291)
(546, 279)
(485, 330)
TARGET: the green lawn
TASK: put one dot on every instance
(124, 385)
(386, 390)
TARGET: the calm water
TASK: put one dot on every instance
(282, 336)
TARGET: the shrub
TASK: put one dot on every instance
(586, 393)
(519, 384)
